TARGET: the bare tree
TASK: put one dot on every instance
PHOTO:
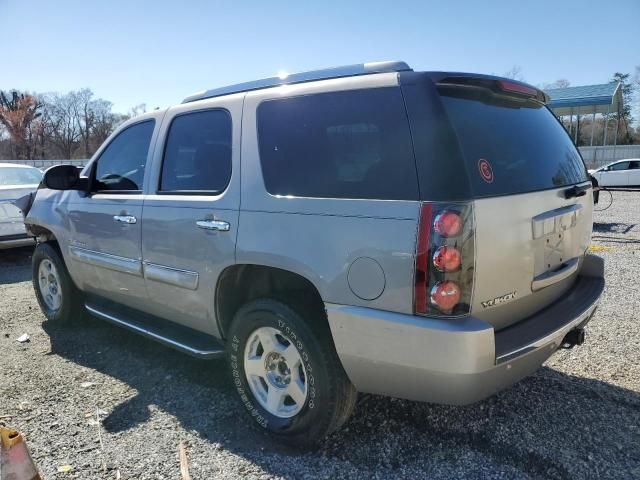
(560, 83)
(514, 73)
(94, 116)
(62, 122)
(137, 110)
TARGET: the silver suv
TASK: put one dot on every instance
(360, 229)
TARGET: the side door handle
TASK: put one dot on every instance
(130, 219)
(218, 225)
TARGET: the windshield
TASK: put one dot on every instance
(19, 176)
(510, 145)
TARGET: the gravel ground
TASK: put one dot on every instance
(69, 389)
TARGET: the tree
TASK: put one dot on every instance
(636, 82)
(62, 122)
(560, 83)
(19, 114)
(625, 116)
(137, 110)
(94, 116)
(514, 73)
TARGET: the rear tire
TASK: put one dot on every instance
(59, 299)
(287, 372)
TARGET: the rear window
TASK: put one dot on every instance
(352, 144)
(197, 156)
(510, 145)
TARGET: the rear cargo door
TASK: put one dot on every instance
(532, 200)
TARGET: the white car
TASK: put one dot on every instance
(15, 181)
(622, 173)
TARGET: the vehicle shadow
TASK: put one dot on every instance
(613, 227)
(551, 425)
(15, 265)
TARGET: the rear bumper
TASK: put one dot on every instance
(455, 361)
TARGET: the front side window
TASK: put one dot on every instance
(197, 155)
(351, 144)
(121, 165)
(619, 166)
(634, 165)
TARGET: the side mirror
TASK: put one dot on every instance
(63, 177)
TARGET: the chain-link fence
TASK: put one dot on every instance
(44, 164)
(596, 157)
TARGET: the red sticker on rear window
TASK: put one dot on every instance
(486, 172)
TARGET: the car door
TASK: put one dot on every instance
(189, 222)
(634, 173)
(616, 175)
(104, 224)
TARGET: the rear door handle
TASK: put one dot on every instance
(549, 278)
(130, 219)
(218, 225)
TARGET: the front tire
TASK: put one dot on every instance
(58, 297)
(287, 372)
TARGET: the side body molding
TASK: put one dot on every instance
(171, 276)
(131, 266)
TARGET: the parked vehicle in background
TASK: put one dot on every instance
(415, 234)
(622, 173)
(15, 181)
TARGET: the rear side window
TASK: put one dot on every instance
(352, 144)
(121, 165)
(197, 155)
(510, 145)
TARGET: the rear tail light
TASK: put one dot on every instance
(445, 295)
(444, 260)
(448, 223)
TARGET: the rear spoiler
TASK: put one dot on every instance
(496, 84)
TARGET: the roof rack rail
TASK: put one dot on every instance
(324, 74)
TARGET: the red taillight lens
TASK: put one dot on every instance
(445, 295)
(422, 259)
(448, 223)
(446, 259)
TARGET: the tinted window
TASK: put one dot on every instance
(19, 176)
(121, 165)
(510, 145)
(620, 166)
(634, 165)
(197, 155)
(353, 144)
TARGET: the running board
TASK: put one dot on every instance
(178, 337)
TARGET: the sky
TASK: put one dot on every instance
(158, 52)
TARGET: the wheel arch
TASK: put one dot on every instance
(242, 283)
